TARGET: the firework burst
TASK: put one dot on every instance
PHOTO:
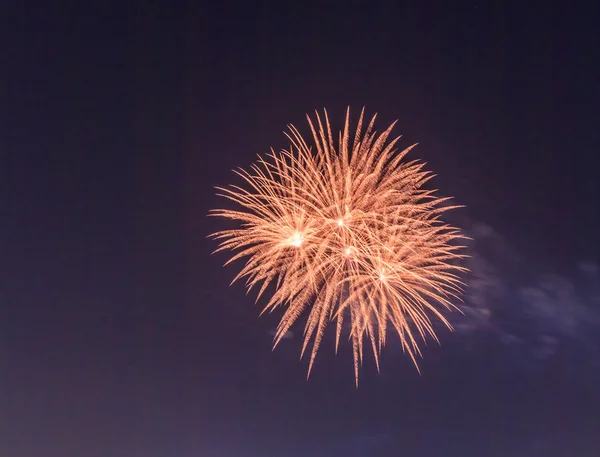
(344, 230)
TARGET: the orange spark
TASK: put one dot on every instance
(389, 261)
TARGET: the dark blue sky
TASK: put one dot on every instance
(118, 333)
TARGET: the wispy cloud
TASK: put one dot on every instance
(538, 313)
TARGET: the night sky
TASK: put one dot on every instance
(119, 335)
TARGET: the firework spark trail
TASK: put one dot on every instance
(345, 231)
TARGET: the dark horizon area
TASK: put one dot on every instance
(119, 333)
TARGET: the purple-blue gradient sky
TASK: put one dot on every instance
(119, 335)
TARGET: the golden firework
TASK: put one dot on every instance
(344, 230)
